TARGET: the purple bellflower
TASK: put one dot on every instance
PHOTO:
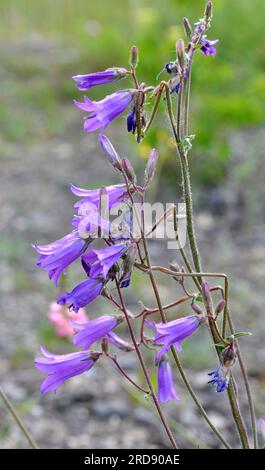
(174, 332)
(90, 332)
(166, 389)
(91, 225)
(99, 262)
(101, 113)
(207, 46)
(60, 368)
(114, 195)
(82, 295)
(84, 82)
(57, 256)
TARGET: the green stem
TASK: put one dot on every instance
(18, 420)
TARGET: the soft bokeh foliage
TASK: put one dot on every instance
(228, 91)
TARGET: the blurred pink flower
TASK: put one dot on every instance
(61, 317)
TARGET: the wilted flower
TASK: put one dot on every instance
(104, 111)
(84, 82)
(166, 389)
(174, 332)
(207, 46)
(61, 317)
(57, 256)
(220, 378)
(91, 331)
(99, 262)
(82, 295)
(60, 368)
(131, 120)
(222, 374)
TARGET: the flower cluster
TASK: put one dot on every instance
(113, 262)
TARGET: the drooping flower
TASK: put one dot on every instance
(82, 295)
(60, 368)
(57, 256)
(61, 318)
(174, 332)
(90, 332)
(99, 262)
(207, 46)
(84, 82)
(101, 113)
(166, 388)
(220, 378)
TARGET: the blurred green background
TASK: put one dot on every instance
(228, 91)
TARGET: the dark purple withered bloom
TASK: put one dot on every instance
(82, 295)
(60, 368)
(90, 332)
(166, 388)
(127, 265)
(57, 256)
(131, 120)
(112, 196)
(101, 113)
(99, 262)
(174, 332)
(207, 46)
(84, 82)
(220, 378)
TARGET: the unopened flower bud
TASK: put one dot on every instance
(197, 309)
(151, 166)
(110, 152)
(229, 353)
(180, 49)
(119, 343)
(134, 56)
(208, 10)
(187, 28)
(128, 170)
(207, 297)
(219, 307)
